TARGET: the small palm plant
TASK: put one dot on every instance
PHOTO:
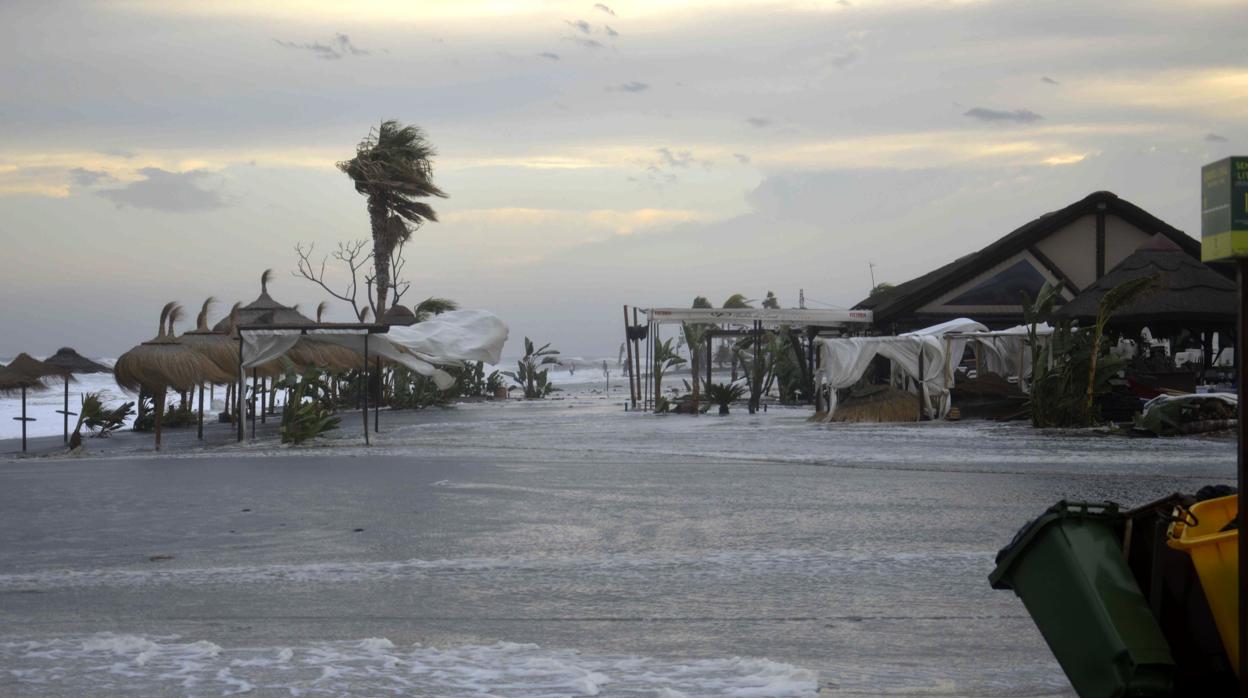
(529, 375)
(665, 357)
(100, 420)
(724, 394)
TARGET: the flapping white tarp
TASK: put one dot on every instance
(939, 349)
(448, 339)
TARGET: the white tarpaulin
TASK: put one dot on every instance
(448, 339)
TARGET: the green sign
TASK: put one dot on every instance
(1224, 209)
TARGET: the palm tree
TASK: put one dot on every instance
(738, 301)
(433, 306)
(393, 168)
(694, 333)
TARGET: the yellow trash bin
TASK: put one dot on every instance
(1215, 554)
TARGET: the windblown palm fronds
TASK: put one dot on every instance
(433, 306)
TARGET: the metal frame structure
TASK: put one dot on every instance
(728, 322)
(315, 328)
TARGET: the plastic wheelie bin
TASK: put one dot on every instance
(1215, 554)
(1068, 568)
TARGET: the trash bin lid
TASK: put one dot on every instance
(1062, 510)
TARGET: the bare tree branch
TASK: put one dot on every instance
(355, 255)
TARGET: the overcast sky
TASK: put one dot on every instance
(594, 154)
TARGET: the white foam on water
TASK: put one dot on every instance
(109, 664)
(715, 566)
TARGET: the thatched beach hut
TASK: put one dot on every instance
(71, 362)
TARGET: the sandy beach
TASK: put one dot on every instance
(561, 547)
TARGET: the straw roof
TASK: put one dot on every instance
(1190, 294)
(30, 366)
(164, 362)
(264, 310)
(398, 315)
(218, 347)
(13, 380)
(70, 361)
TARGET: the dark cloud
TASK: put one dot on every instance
(611, 32)
(633, 86)
(742, 158)
(549, 55)
(1018, 116)
(759, 121)
(585, 43)
(842, 60)
(1049, 80)
(603, 8)
(579, 24)
(1215, 138)
(339, 47)
(84, 178)
(161, 190)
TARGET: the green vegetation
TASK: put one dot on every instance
(101, 421)
(529, 376)
(724, 394)
(309, 411)
(665, 358)
(1072, 368)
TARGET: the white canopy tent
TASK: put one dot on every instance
(448, 339)
(929, 357)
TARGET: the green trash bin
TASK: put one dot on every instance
(1069, 569)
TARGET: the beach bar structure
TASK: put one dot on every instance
(449, 339)
(803, 325)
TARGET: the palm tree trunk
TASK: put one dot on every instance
(377, 218)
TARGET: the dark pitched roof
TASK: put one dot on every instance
(909, 296)
(1189, 293)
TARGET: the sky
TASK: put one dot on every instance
(594, 155)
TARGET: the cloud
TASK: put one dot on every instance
(842, 60)
(603, 8)
(340, 46)
(844, 3)
(549, 55)
(162, 190)
(611, 32)
(580, 24)
(585, 43)
(679, 158)
(83, 177)
(1049, 80)
(742, 158)
(1215, 138)
(633, 86)
(759, 121)
(1018, 116)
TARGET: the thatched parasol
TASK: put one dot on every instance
(14, 380)
(165, 363)
(70, 362)
(264, 310)
(219, 347)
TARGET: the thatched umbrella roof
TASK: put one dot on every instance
(70, 361)
(264, 310)
(34, 368)
(1190, 294)
(164, 362)
(221, 348)
(13, 380)
(398, 315)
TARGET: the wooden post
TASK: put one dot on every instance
(263, 392)
(637, 359)
(710, 340)
(377, 404)
(628, 347)
(24, 418)
(364, 392)
(160, 412)
(200, 431)
(65, 411)
(920, 385)
(255, 386)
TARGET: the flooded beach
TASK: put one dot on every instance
(561, 547)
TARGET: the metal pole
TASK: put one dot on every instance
(377, 404)
(200, 431)
(238, 390)
(920, 385)
(1241, 374)
(264, 399)
(365, 391)
(24, 420)
(710, 339)
(628, 347)
(637, 360)
(65, 412)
